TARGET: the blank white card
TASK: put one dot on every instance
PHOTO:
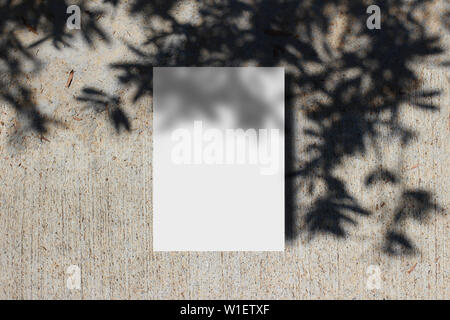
(218, 159)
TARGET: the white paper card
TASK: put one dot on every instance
(218, 159)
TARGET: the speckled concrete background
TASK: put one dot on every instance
(81, 195)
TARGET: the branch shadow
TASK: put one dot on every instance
(356, 86)
(101, 102)
(47, 21)
(345, 81)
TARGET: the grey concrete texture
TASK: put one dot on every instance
(76, 184)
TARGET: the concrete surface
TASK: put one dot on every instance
(82, 196)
